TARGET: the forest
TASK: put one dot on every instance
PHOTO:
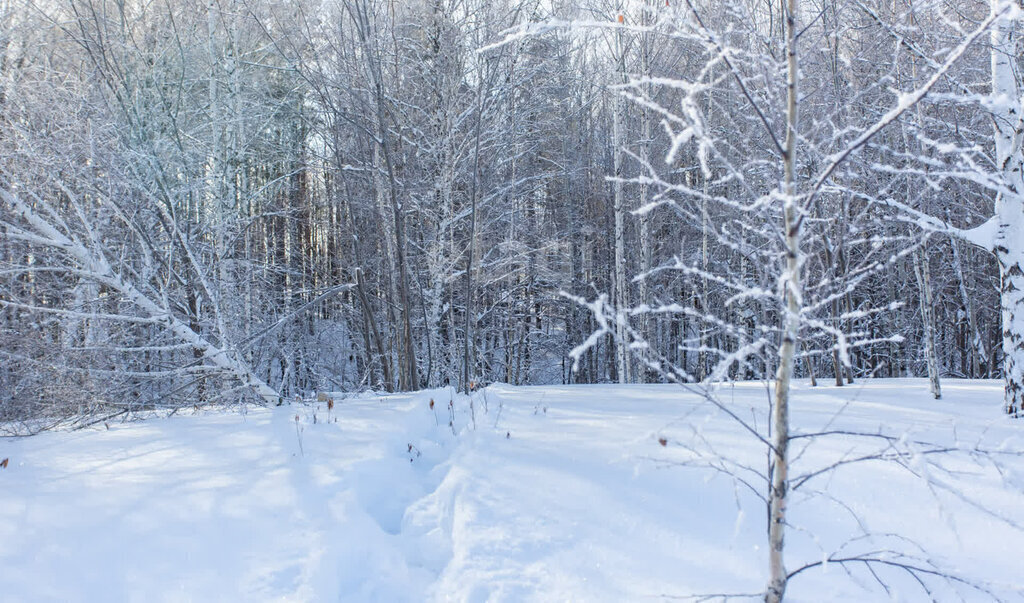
(207, 202)
(407, 300)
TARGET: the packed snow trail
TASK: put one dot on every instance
(558, 493)
(217, 506)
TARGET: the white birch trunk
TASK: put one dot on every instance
(705, 257)
(468, 336)
(215, 169)
(646, 254)
(791, 292)
(922, 273)
(620, 285)
(1008, 242)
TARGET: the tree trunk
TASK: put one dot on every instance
(810, 370)
(408, 375)
(1008, 242)
(975, 345)
(925, 303)
(620, 286)
(466, 356)
(778, 493)
(646, 255)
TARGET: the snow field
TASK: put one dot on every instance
(559, 493)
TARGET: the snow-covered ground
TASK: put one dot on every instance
(582, 493)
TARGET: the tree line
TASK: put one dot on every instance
(207, 201)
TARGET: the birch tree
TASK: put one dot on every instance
(1002, 232)
(1007, 229)
(766, 137)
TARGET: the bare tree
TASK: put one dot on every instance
(765, 147)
